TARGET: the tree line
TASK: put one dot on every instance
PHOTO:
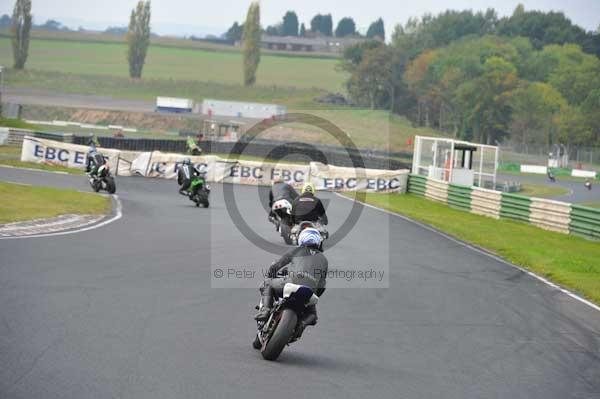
(320, 25)
(532, 77)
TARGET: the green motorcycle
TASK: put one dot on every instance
(199, 191)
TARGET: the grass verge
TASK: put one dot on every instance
(568, 260)
(542, 190)
(21, 203)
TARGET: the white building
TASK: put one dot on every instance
(241, 109)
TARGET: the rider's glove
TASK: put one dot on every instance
(272, 273)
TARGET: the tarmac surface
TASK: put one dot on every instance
(577, 192)
(128, 311)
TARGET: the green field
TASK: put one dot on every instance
(100, 68)
(565, 259)
(174, 63)
(27, 202)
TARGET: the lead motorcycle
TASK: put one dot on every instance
(103, 180)
(284, 323)
(282, 219)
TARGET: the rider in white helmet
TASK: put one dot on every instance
(307, 266)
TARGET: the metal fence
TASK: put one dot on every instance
(578, 157)
(292, 152)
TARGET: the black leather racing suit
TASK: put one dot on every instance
(282, 191)
(308, 208)
(185, 174)
(93, 161)
(305, 266)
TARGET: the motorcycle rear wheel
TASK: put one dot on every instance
(284, 331)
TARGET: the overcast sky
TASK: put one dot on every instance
(203, 17)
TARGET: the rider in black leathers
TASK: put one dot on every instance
(281, 190)
(184, 176)
(307, 266)
(93, 161)
(308, 208)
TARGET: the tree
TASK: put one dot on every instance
(274, 30)
(345, 27)
(302, 30)
(252, 35)
(234, 34)
(138, 38)
(21, 27)
(486, 100)
(322, 24)
(376, 29)
(370, 83)
(290, 24)
(535, 107)
(544, 28)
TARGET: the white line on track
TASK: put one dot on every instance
(16, 182)
(57, 172)
(118, 215)
(481, 251)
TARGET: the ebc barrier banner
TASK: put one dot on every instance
(260, 173)
(166, 165)
(337, 178)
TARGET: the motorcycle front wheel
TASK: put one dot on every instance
(111, 187)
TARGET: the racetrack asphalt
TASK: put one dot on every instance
(577, 192)
(127, 311)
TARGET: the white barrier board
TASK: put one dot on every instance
(165, 165)
(583, 173)
(534, 169)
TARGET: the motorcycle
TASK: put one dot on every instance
(282, 219)
(283, 325)
(200, 190)
(297, 229)
(103, 180)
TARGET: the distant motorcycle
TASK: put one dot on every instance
(283, 325)
(282, 219)
(200, 190)
(297, 229)
(588, 185)
(103, 180)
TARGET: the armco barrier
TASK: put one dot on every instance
(486, 202)
(459, 197)
(417, 185)
(437, 190)
(547, 214)
(585, 221)
(550, 215)
(15, 136)
(515, 206)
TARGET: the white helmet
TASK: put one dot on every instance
(309, 237)
(201, 169)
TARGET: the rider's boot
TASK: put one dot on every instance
(267, 303)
